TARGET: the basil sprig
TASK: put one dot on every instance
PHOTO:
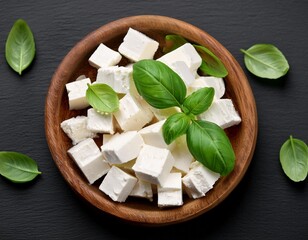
(211, 64)
(162, 88)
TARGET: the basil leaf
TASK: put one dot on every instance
(20, 46)
(265, 61)
(294, 159)
(18, 167)
(210, 145)
(211, 64)
(173, 42)
(102, 98)
(199, 101)
(158, 84)
(175, 126)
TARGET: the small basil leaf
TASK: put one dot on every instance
(20, 46)
(294, 159)
(211, 64)
(210, 145)
(102, 98)
(158, 84)
(173, 42)
(265, 61)
(18, 167)
(199, 101)
(175, 126)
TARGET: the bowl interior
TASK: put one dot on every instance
(243, 136)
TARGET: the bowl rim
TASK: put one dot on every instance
(120, 210)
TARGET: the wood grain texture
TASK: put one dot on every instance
(243, 137)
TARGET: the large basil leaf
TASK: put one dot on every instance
(294, 159)
(199, 101)
(102, 98)
(20, 46)
(172, 42)
(210, 145)
(211, 64)
(175, 126)
(158, 84)
(18, 167)
(265, 61)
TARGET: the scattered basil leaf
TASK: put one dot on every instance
(175, 126)
(158, 84)
(265, 61)
(210, 145)
(20, 46)
(102, 98)
(294, 159)
(172, 42)
(211, 64)
(199, 101)
(17, 167)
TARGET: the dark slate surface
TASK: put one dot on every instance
(265, 205)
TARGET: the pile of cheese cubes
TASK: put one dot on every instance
(135, 161)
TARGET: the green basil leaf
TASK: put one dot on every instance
(211, 64)
(175, 126)
(265, 61)
(173, 42)
(294, 159)
(210, 145)
(20, 46)
(102, 98)
(158, 84)
(199, 101)
(18, 167)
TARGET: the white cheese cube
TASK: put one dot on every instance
(104, 56)
(89, 159)
(99, 123)
(76, 129)
(172, 182)
(131, 114)
(153, 135)
(214, 82)
(153, 164)
(77, 94)
(106, 137)
(199, 180)
(162, 114)
(181, 154)
(137, 46)
(186, 53)
(221, 112)
(116, 77)
(118, 184)
(142, 189)
(183, 71)
(122, 147)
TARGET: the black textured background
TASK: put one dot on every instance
(265, 205)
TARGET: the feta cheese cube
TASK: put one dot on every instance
(89, 159)
(183, 71)
(77, 94)
(122, 147)
(137, 46)
(106, 137)
(153, 164)
(199, 180)
(76, 129)
(118, 184)
(153, 135)
(131, 114)
(182, 156)
(104, 56)
(186, 53)
(162, 114)
(221, 112)
(170, 192)
(99, 123)
(142, 189)
(116, 77)
(214, 82)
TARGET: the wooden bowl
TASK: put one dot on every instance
(243, 136)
